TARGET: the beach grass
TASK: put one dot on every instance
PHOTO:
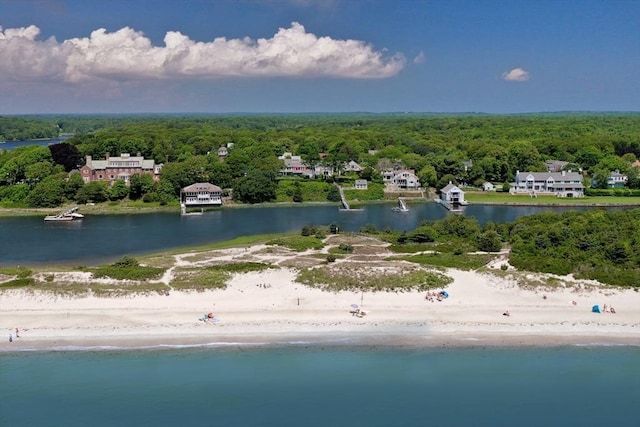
(352, 278)
(212, 277)
(199, 278)
(464, 261)
(298, 243)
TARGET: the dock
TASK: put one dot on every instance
(345, 204)
(453, 207)
(402, 206)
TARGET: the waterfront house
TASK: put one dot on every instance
(561, 184)
(353, 167)
(360, 184)
(452, 195)
(119, 168)
(293, 165)
(487, 186)
(201, 194)
(616, 180)
(401, 178)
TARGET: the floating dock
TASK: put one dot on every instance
(453, 207)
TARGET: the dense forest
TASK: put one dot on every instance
(435, 146)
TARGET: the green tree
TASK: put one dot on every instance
(66, 155)
(47, 193)
(333, 195)
(297, 193)
(489, 241)
(139, 185)
(97, 192)
(72, 185)
(118, 190)
(524, 156)
(36, 172)
(588, 156)
(256, 187)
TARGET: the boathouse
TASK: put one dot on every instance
(201, 195)
(452, 195)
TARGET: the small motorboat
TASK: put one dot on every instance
(68, 215)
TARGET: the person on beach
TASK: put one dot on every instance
(17, 333)
(506, 313)
(10, 337)
(612, 310)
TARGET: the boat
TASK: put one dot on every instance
(68, 215)
(402, 206)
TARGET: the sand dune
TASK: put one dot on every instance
(270, 307)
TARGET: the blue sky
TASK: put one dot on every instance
(223, 56)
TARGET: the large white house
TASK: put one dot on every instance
(562, 184)
(201, 194)
(401, 178)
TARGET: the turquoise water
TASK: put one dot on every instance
(319, 386)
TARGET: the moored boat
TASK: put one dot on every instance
(68, 215)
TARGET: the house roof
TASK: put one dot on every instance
(449, 187)
(555, 165)
(556, 176)
(202, 186)
(105, 164)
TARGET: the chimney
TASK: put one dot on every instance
(107, 155)
(88, 161)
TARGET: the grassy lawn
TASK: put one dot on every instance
(506, 198)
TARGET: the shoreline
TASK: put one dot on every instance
(321, 341)
(141, 210)
(269, 309)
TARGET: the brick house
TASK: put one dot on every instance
(119, 168)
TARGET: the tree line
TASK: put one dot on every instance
(598, 244)
(435, 146)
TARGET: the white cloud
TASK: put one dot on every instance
(128, 54)
(516, 75)
(420, 58)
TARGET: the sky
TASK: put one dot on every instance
(308, 56)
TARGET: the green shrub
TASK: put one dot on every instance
(18, 283)
(368, 229)
(126, 261)
(331, 258)
(345, 247)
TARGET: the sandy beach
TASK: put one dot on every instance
(269, 307)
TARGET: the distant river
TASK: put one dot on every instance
(102, 238)
(10, 145)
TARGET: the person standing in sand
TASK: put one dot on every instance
(17, 333)
(10, 337)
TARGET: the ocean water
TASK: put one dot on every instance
(306, 386)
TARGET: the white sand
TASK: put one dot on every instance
(285, 311)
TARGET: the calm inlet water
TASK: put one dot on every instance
(100, 238)
(297, 386)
